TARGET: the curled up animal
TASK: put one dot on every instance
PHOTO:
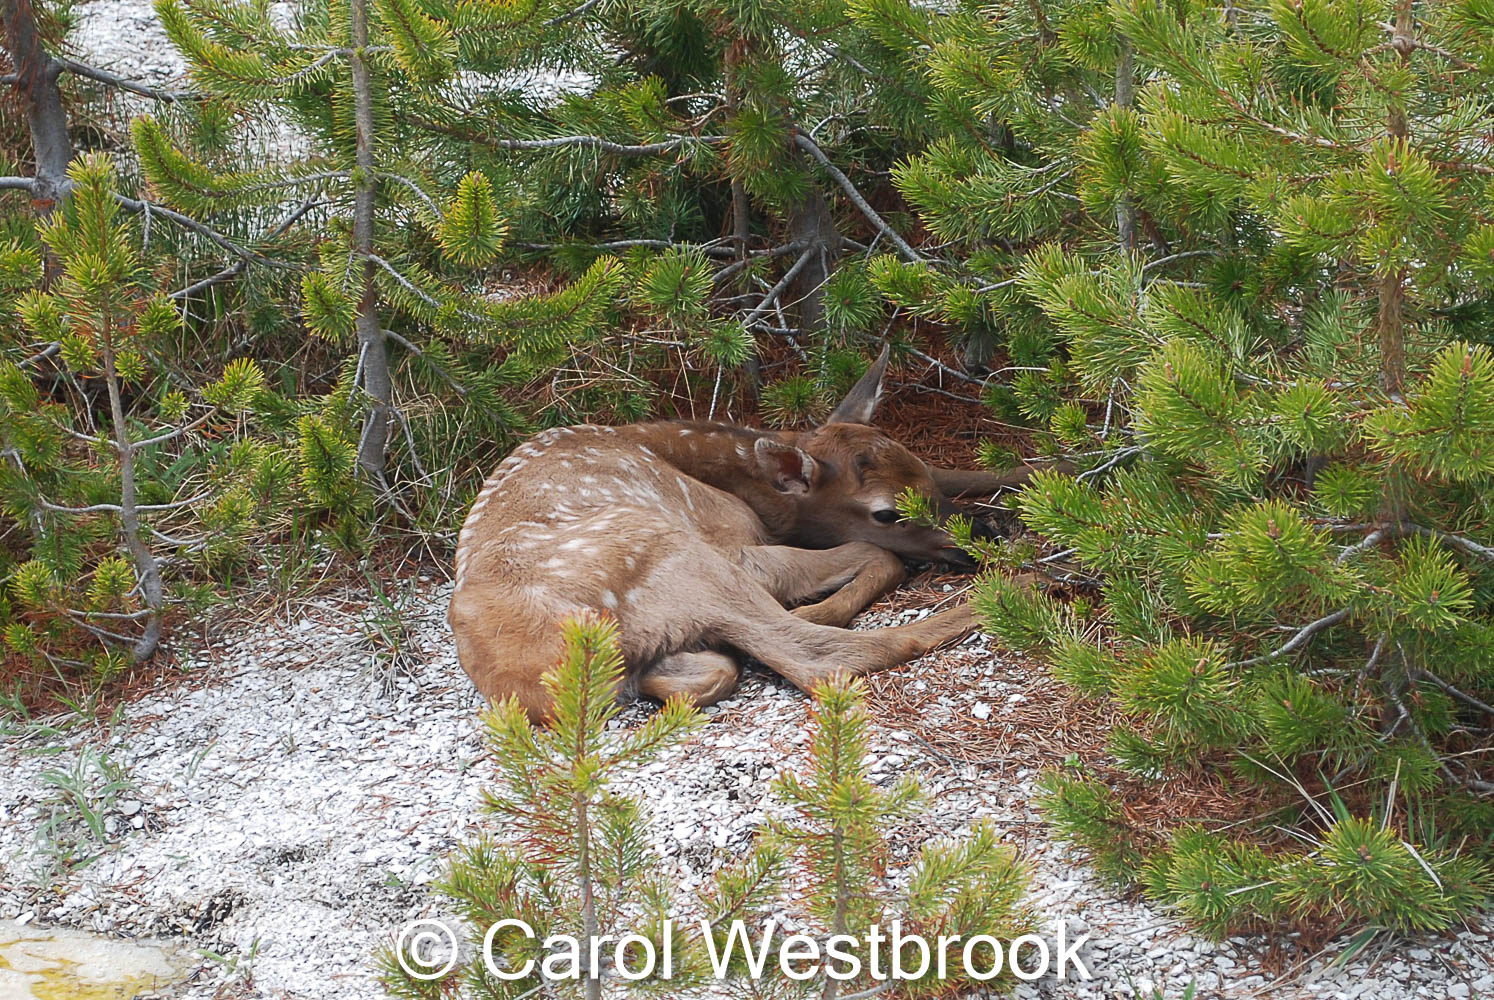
(698, 538)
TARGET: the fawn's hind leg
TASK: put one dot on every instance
(703, 677)
(807, 653)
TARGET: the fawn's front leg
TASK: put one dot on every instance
(854, 575)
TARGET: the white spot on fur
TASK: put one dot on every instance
(609, 599)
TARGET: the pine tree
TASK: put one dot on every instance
(696, 149)
(840, 834)
(569, 855)
(1035, 144)
(1283, 447)
(375, 280)
(682, 189)
(574, 857)
(95, 497)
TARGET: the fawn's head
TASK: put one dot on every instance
(847, 477)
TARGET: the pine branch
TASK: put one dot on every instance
(568, 141)
(234, 270)
(114, 508)
(946, 369)
(1303, 634)
(419, 293)
(135, 207)
(460, 389)
(120, 83)
(1447, 688)
(1115, 460)
(737, 265)
(125, 616)
(571, 15)
(1366, 543)
(777, 290)
(1459, 541)
(176, 433)
(1170, 258)
(419, 192)
(42, 355)
(705, 248)
(807, 144)
(605, 145)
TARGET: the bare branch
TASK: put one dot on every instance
(1457, 693)
(114, 508)
(120, 83)
(1459, 541)
(234, 270)
(946, 369)
(705, 248)
(1183, 255)
(136, 206)
(777, 289)
(178, 432)
(460, 389)
(807, 144)
(1305, 633)
(42, 355)
(1369, 541)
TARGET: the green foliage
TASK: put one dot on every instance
(577, 855)
(472, 231)
(839, 833)
(1086, 811)
(106, 493)
(572, 856)
(1269, 269)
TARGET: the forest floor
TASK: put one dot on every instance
(287, 800)
(284, 799)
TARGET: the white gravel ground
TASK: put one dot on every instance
(281, 804)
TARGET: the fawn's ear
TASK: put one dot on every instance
(861, 402)
(787, 468)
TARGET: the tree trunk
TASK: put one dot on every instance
(36, 75)
(1125, 94)
(146, 568)
(1390, 319)
(831, 988)
(589, 927)
(1390, 290)
(812, 227)
(741, 224)
(373, 355)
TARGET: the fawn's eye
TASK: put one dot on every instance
(887, 515)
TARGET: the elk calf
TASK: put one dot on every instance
(695, 536)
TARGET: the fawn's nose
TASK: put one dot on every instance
(979, 530)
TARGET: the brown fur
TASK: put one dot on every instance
(695, 536)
